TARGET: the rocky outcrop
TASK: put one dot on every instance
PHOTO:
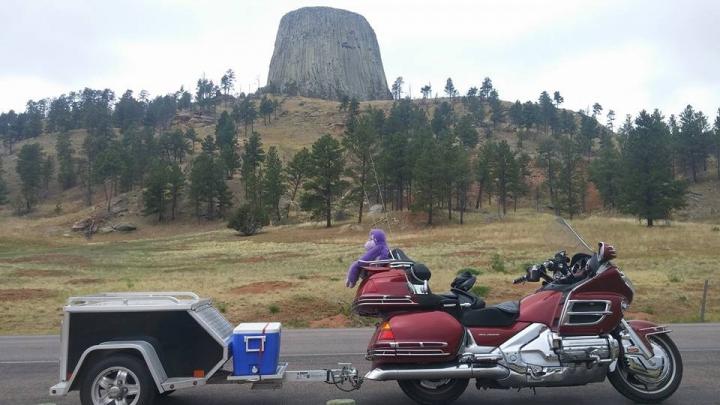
(327, 53)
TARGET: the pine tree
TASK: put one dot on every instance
(448, 169)
(519, 179)
(155, 195)
(648, 189)
(694, 140)
(498, 113)
(482, 172)
(226, 142)
(163, 186)
(427, 179)
(227, 82)
(426, 90)
(515, 113)
(604, 173)
(4, 194)
(325, 183)
(29, 169)
(207, 184)
(397, 88)
(107, 171)
(191, 136)
(547, 110)
(252, 157)
(176, 184)
(465, 131)
(548, 160)
(246, 114)
(360, 144)
(296, 172)
(486, 88)
(173, 145)
(48, 169)
(450, 89)
(443, 118)
(503, 171)
(463, 180)
(274, 183)
(266, 109)
(570, 178)
(67, 177)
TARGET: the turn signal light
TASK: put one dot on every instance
(386, 332)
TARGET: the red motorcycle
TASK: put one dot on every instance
(571, 331)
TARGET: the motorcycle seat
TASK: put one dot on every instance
(503, 314)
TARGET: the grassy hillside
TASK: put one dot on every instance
(298, 123)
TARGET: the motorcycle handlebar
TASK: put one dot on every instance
(519, 280)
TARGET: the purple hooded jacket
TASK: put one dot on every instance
(377, 249)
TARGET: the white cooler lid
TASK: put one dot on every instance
(258, 327)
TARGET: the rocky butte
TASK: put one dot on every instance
(327, 53)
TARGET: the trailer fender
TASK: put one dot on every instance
(145, 349)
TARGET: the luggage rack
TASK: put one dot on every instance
(137, 300)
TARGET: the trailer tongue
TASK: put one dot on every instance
(130, 347)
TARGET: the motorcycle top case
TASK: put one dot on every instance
(256, 348)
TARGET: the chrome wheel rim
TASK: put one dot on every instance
(116, 386)
(434, 384)
(664, 359)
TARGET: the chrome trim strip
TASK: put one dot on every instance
(64, 346)
(565, 321)
(656, 330)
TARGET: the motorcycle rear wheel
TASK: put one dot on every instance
(434, 392)
(645, 390)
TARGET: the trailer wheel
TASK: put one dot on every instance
(117, 380)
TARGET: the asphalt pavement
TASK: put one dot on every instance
(29, 366)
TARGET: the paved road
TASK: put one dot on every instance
(28, 366)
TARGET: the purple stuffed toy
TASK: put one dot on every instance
(376, 249)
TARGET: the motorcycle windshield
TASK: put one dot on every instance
(562, 236)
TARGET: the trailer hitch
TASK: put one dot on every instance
(344, 374)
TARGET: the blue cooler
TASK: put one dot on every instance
(256, 348)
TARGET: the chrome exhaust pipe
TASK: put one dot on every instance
(430, 372)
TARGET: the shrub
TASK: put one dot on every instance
(497, 264)
(274, 309)
(481, 290)
(474, 272)
(675, 277)
(248, 220)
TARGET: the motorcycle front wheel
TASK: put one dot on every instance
(644, 388)
(434, 392)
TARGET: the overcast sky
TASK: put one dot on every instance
(626, 55)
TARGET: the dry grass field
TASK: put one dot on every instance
(295, 273)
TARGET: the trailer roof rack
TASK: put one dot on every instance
(140, 301)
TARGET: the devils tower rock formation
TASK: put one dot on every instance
(327, 53)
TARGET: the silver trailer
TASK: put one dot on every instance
(128, 348)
